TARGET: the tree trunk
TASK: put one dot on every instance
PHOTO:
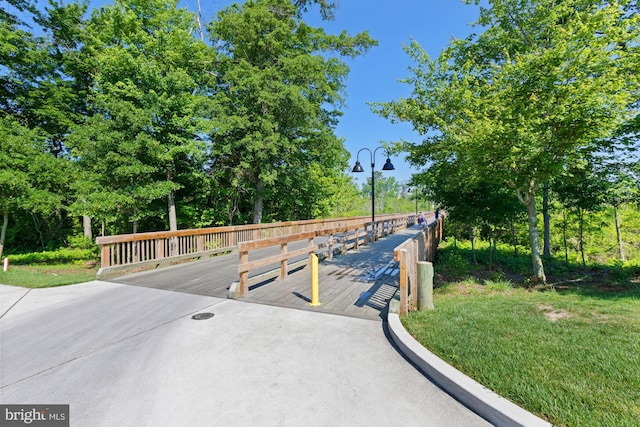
(581, 237)
(619, 234)
(3, 233)
(495, 245)
(529, 200)
(564, 237)
(258, 203)
(86, 225)
(473, 244)
(491, 240)
(455, 236)
(36, 222)
(173, 221)
(514, 239)
(546, 251)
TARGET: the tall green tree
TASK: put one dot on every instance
(582, 189)
(15, 180)
(387, 191)
(37, 105)
(279, 84)
(521, 100)
(29, 178)
(143, 140)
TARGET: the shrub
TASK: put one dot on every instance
(60, 256)
(453, 262)
(82, 242)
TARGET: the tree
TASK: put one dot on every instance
(14, 176)
(472, 203)
(28, 176)
(520, 101)
(279, 82)
(387, 191)
(143, 139)
(582, 189)
(621, 187)
(37, 105)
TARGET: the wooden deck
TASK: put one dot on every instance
(358, 283)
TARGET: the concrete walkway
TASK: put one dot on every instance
(124, 355)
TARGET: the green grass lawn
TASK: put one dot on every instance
(569, 353)
(45, 276)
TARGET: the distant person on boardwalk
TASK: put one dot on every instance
(437, 213)
(422, 220)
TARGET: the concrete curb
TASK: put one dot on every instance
(489, 405)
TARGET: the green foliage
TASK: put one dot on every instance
(456, 263)
(453, 262)
(545, 83)
(82, 242)
(141, 143)
(59, 256)
(126, 116)
(278, 83)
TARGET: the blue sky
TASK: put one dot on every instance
(374, 76)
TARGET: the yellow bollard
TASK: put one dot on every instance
(314, 281)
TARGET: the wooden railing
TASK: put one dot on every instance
(422, 247)
(130, 252)
(352, 233)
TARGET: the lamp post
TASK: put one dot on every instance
(415, 191)
(388, 166)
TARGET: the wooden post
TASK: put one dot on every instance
(402, 255)
(244, 276)
(425, 285)
(366, 236)
(413, 268)
(160, 248)
(104, 256)
(344, 242)
(355, 242)
(330, 247)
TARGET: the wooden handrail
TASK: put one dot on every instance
(245, 266)
(126, 252)
(422, 247)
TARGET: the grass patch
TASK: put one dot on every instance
(569, 353)
(46, 276)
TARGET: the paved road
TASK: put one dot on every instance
(125, 355)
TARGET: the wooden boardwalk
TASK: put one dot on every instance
(358, 283)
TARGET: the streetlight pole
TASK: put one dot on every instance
(415, 192)
(388, 166)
